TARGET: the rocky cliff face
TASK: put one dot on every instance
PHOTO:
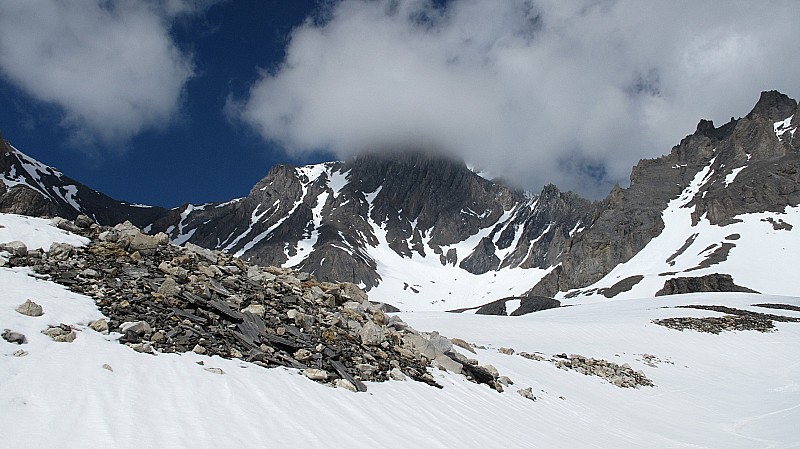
(753, 167)
(29, 187)
(325, 219)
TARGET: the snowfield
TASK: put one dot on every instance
(732, 390)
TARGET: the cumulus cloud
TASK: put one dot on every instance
(111, 65)
(534, 91)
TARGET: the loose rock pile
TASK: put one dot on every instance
(164, 298)
(622, 376)
(734, 320)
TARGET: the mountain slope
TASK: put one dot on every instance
(29, 187)
(715, 177)
(419, 230)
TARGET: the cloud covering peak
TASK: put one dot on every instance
(534, 91)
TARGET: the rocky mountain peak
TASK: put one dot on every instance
(773, 106)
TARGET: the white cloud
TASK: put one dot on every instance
(537, 91)
(111, 65)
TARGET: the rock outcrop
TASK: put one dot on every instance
(710, 283)
(754, 167)
(732, 320)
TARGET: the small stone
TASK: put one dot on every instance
(346, 384)
(138, 327)
(491, 369)
(60, 251)
(302, 355)
(144, 347)
(315, 374)
(89, 273)
(199, 349)
(527, 393)
(506, 351)
(255, 309)
(448, 364)
(379, 316)
(108, 367)
(15, 248)
(462, 344)
(442, 344)
(159, 337)
(62, 333)
(146, 245)
(20, 353)
(30, 308)
(371, 333)
(505, 380)
(169, 287)
(214, 370)
(100, 325)
(397, 374)
(83, 222)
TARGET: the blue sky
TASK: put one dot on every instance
(201, 155)
(172, 101)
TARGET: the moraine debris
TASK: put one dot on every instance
(163, 298)
(733, 320)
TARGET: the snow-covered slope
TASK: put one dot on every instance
(419, 231)
(759, 250)
(732, 390)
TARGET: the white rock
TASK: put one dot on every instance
(442, 344)
(527, 393)
(315, 374)
(302, 354)
(15, 248)
(448, 364)
(397, 374)
(371, 333)
(100, 325)
(256, 309)
(346, 384)
(30, 308)
(491, 369)
(138, 327)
